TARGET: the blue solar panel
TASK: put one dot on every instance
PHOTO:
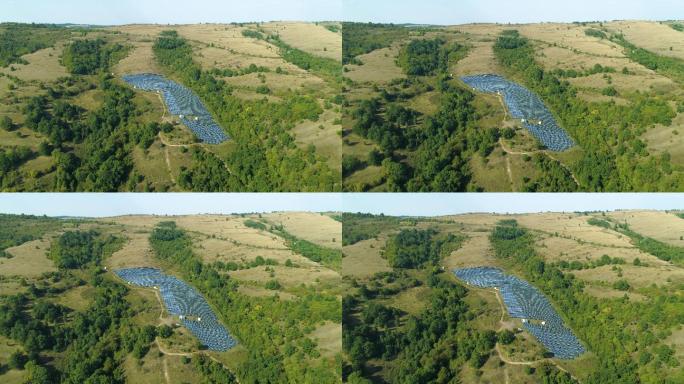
(184, 301)
(524, 104)
(524, 301)
(182, 102)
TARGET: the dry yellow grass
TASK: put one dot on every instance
(77, 298)
(314, 227)
(637, 277)
(379, 66)
(287, 277)
(654, 36)
(659, 225)
(363, 258)
(225, 250)
(43, 65)
(667, 139)
(327, 140)
(475, 251)
(139, 60)
(28, 259)
(136, 252)
(252, 291)
(480, 59)
(574, 226)
(309, 37)
(562, 249)
(277, 82)
(412, 300)
(328, 336)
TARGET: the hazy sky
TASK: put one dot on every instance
(409, 204)
(113, 204)
(508, 11)
(167, 11)
(436, 204)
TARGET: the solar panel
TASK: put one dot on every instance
(524, 301)
(182, 102)
(524, 104)
(184, 301)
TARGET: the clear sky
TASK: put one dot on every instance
(167, 11)
(436, 204)
(508, 11)
(113, 204)
(408, 204)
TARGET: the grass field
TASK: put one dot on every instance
(28, 260)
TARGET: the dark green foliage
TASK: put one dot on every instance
(255, 224)
(431, 347)
(253, 34)
(414, 248)
(213, 372)
(505, 337)
(621, 285)
(332, 258)
(360, 38)
(363, 226)
(351, 164)
(10, 160)
(428, 57)
(17, 40)
(272, 285)
(165, 331)
(677, 27)
(595, 33)
(17, 360)
(77, 249)
(554, 177)
(88, 57)
(6, 123)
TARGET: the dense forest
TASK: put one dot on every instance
(614, 158)
(265, 157)
(360, 38)
(271, 329)
(87, 57)
(626, 336)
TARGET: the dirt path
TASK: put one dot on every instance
(166, 371)
(497, 347)
(510, 152)
(510, 172)
(530, 153)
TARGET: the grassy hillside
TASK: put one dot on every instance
(69, 123)
(614, 87)
(613, 277)
(67, 317)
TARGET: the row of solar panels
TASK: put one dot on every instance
(181, 102)
(184, 301)
(526, 302)
(527, 106)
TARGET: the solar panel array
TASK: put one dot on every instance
(524, 104)
(181, 102)
(182, 300)
(524, 301)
